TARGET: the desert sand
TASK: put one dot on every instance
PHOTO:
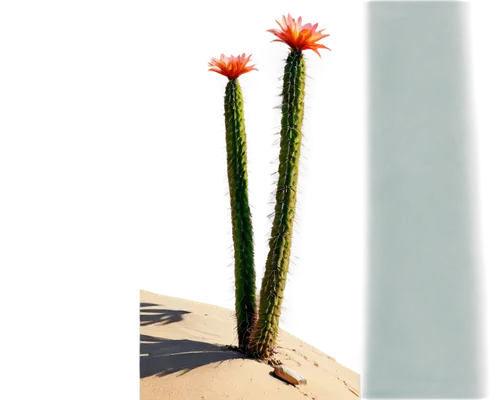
(184, 356)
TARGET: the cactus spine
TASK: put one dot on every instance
(244, 269)
(265, 333)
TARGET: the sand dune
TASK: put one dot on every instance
(184, 356)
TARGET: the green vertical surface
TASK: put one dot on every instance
(424, 336)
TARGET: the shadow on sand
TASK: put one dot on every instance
(162, 357)
(161, 316)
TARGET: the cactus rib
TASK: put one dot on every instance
(265, 333)
(244, 269)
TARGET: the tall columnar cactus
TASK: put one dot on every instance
(299, 37)
(244, 269)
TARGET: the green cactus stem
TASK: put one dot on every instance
(244, 269)
(265, 333)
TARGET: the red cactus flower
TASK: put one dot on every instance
(231, 67)
(298, 36)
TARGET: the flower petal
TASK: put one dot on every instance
(231, 67)
(298, 36)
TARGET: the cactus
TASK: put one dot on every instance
(244, 269)
(299, 38)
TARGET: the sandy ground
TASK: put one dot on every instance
(183, 357)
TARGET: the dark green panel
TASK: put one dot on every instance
(423, 311)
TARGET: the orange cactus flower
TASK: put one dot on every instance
(231, 67)
(298, 36)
